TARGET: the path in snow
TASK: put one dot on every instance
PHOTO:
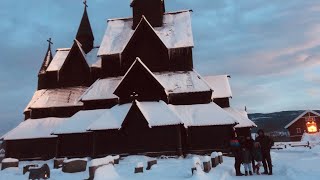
(292, 163)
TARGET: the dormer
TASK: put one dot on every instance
(153, 10)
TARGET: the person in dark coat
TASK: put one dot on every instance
(237, 153)
(247, 160)
(266, 143)
(257, 155)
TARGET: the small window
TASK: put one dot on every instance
(298, 131)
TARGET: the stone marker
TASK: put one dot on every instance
(27, 167)
(139, 168)
(74, 165)
(214, 159)
(9, 162)
(151, 163)
(220, 157)
(57, 163)
(42, 172)
(206, 164)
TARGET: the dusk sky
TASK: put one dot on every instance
(270, 48)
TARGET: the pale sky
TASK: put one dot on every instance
(270, 48)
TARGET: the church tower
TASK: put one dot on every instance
(42, 75)
(152, 9)
(85, 34)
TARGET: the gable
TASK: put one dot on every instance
(140, 81)
(146, 45)
(305, 113)
(75, 70)
(134, 120)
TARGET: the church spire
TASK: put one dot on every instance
(85, 34)
(47, 59)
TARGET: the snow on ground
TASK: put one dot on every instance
(289, 164)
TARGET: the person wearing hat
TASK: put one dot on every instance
(265, 143)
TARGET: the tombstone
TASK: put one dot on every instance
(74, 165)
(206, 164)
(220, 157)
(42, 172)
(97, 163)
(9, 162)
(196, 165)
(27, 167)
(151, 163)
(116, 159)
(57, 163)
(214, 159)
(139, 168)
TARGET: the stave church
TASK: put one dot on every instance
(141, 95)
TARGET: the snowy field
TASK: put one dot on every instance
(291, 163)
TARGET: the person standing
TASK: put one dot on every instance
(236, 151)
(265, 143)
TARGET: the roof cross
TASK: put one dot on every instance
(134, 96)
(49, 41)
(85, 3)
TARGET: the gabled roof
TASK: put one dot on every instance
(301, 115)
(79, 122)
(176, 32)
(241, 116)
(220, 86)
(34, 129)
(133, 2)
(46, 61)
(158, 113)
(203, 115)
(137, 63)
(58, 59)
(62, 97)
(111, 118)
(173, 82)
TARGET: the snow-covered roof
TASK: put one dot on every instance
(79, 122)
(173, 82)
(182, 82)
(92, 56)
(34, 129)
(241, 116)
(62, 97)
(203, 115)
(158, 114)
(301, 115)
(111, 118)
(102, 89)
(220, 86)
(176, 32)
(58, 59)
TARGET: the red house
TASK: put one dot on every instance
(307, 122)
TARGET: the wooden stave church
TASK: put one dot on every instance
(60, 79)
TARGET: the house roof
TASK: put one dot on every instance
(241, 116)
(111, 118)
(62, 97)
(79, 122)
(176, 32)
(173, 82)
(58, 59)
(158, 114)
(220, 86)
(34, 129)
(301, 115)
(203, 115)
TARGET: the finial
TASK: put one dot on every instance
(85, 3)
(245, 108)
(49, 41)
(134, 96)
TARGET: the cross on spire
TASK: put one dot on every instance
(85, 3)
(49, 41)
(134, 96)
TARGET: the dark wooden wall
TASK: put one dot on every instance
(243, 132)
(222, 102)
(54, 112)
(181, 59)
(209, 138)
(75, 145)
(100, 104)
(110, 65)
(190, 98)
(152, 9)
(31, 148)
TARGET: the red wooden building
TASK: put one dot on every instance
(307, 122)
(137, 93)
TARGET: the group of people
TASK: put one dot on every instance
(252, 154)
